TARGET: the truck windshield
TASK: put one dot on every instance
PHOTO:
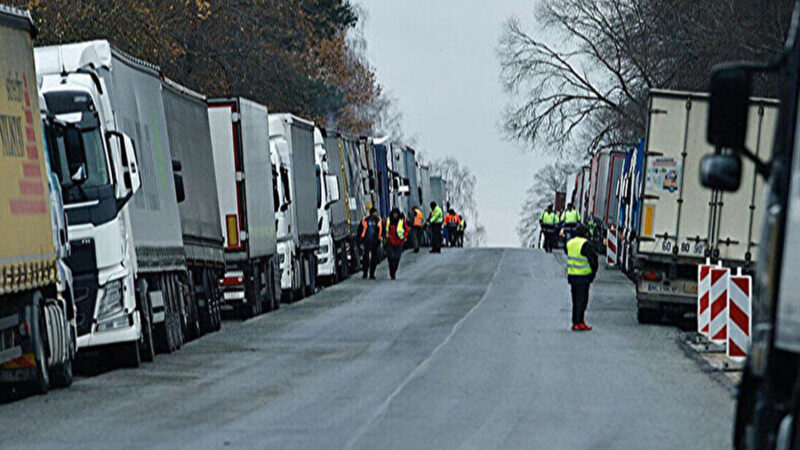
(70, 156)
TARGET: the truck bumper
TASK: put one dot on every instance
(326, 262)
(113, 336)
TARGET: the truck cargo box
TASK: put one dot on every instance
(411, 175)
(438, 191)
(299, 135)
(356, 194)
(334, 145)
(681, 218)
(243, 169)
(381, 151)
(190, 142)
(26, 248)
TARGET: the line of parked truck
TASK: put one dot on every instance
(666, 223)
(135, 211)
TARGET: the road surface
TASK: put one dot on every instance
(468, 349)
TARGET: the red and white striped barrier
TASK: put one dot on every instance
(740, 318)
(718, 295)
(703, 297)
(611, 248)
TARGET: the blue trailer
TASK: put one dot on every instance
(382, 177)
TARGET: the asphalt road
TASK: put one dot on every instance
(468, 349)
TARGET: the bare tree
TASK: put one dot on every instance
(546, 181)
(461, 194)
(584, 81)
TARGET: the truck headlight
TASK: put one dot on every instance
(111, 303)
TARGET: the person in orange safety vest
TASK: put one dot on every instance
(371, 237)
(416, 227)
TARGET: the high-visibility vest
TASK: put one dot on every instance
(461, 223)
(418, 219)
(570, 216)
(399, 235)
(437, 216)
(548, 218)
(577, 264)
(365, 224)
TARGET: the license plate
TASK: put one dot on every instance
(652, 287)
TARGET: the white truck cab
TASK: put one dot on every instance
(281, 174)
(328, 193)
(97, 186)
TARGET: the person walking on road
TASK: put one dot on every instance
(435, 219)
(396, 238)
(371, 237)
(416, 227)
(547, 222)
(451, 227)
(462, 226)
(581, 270)
(570, 219)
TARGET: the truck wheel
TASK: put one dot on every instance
(35, 317)
(128, 355)
(648, 316)
(61, 376)
(300, 288)
(147, 348)
(311, 282)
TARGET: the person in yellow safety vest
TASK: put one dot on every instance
(570, 218)
(547, 222)
(396, 238)
(416, 227)
(435, 219)
(581, 270)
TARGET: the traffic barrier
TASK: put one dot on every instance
(611, 247)
(740, 318)
(703, 295)
(718, 322)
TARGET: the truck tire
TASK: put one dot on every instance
(300, 288)
(648, 316)
(35, 316)
(147, 349)
(61, 375)
(311, 282)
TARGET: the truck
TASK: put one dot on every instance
(190, 141)
(603, 202)
(327, 186)
(239, 131)
(293, 139)
(38, 338)
(341, 214)
(629, 196)
(768, 398)
(681, 223)
(412, 198)
(128, 260)
(438, 190)
(380, 148)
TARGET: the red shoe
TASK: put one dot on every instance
(585, 327)
(576, 327)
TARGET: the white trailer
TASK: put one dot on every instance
(681, 222)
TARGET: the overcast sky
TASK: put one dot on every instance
(438, 58)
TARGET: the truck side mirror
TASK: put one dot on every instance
(131, 182)
(729, 106)
(180, 192)
(332, 185)
(721, 172)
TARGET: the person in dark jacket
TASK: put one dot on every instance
(581, 270)
(396, 227)
(371, 237)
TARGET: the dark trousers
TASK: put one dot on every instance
(416, 237)
(549, 238)
(436, 237)
(452, 236)
(580, 300)
(393, 254)
(369, 260)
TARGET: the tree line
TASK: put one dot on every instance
(301, 56)
(578, 78)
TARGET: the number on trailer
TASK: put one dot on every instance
(666, 246)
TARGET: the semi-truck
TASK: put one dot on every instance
(603, 203)
(37, 310)
(327, 186)
(293, 138)
(239, 130)
(412, 198)
(340, 213)
(190, 142)
(681, 223)
(127, 260)
(769, 394)
(630, 199)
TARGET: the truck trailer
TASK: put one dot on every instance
(190, 142)
(128, 260)
(37, 310)
(293, 138)
(341, 230)
(682, 223)
(244, 188)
